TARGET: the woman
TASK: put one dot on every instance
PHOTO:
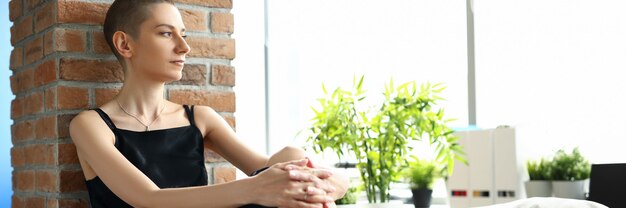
(141, 150)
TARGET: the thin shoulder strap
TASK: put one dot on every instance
(189, 112)
(106, 118)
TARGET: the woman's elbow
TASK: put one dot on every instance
(145, 200)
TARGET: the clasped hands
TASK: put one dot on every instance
(293, 184)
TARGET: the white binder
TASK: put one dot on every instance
(493, 173)
(506, 166)
(481, 174)
(458, 182)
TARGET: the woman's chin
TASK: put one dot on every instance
(174, 77)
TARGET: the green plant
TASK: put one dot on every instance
(570, 166)
(539, 170)
(379, 139)
(351, 196)
(421, 174)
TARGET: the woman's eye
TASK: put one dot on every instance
(184, 36)
(166, 34)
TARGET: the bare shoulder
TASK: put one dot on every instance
(84, 119)
(203, 110)
(205, 116)
(86, 124)
(207, 119)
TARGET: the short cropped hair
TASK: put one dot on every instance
(126, 16)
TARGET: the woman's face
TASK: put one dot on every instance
(161, 48)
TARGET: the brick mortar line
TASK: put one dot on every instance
(46, 114)
(209, 35)
(98, 1)
(209, 172)
(55, 168)
(89, 42)
(32, 142)
(77, 26)
(33, 117)
(207, 9)
(200, 60)
(65, 83)
(220, 164)
(25, 119)
(112, 85)
(58, 55)
(176, 4)
(224, 113)
(85, 84)
(208, 74)
(73, 26)
(51, 195)
(207, 88)
(91, 98)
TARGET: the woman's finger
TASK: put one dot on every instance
(313, 195)
(295, 163)
(307, 174)
(318, 183)
(311, 190)
(299, 204)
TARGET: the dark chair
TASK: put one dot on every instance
(607, 184)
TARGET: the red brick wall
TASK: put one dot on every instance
(61, 65)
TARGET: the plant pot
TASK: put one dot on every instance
(539, 188)
(422, 197)
(569, 189)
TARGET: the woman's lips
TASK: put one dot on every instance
(179, 62)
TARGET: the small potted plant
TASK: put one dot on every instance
(421, 175)
(378, 137)
(539, 184)
(569, 172)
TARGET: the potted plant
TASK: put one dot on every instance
(379, 139)
(569, 172)
(421, 175)
(539, 184)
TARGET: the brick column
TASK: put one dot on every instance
(61, 65)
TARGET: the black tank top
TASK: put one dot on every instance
(169, 157)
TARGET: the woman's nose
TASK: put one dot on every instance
(182, 47)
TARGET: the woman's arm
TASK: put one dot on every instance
(94, 144)
(221, 138)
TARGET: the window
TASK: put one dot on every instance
(315, 42)
(554, 70)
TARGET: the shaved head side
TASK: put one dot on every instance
(127, 16)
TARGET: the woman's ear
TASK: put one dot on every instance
(122, 44)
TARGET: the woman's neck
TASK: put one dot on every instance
(141, 98)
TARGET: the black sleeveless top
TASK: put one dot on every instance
(169, 157)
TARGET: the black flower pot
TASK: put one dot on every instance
(421, 197)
